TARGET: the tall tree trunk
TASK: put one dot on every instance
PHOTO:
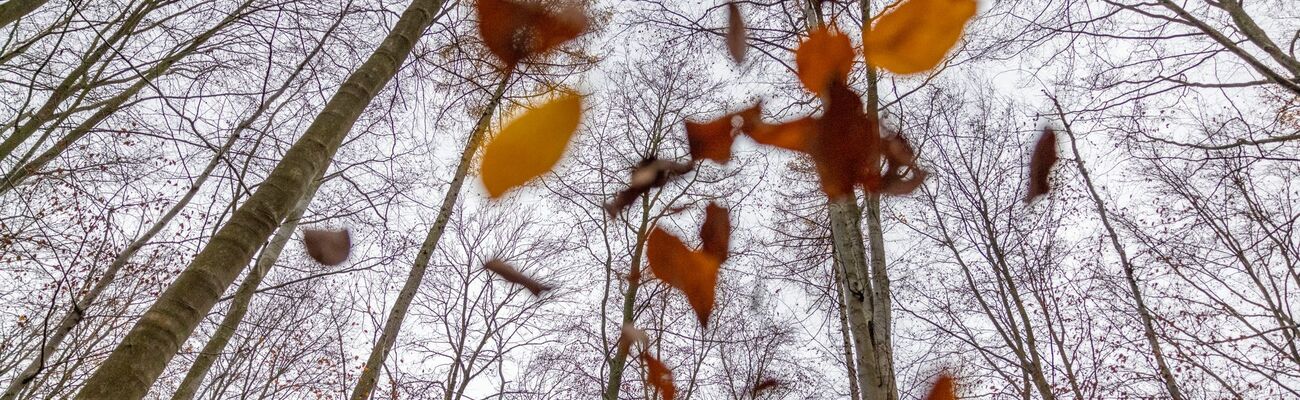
(393, 325)
(846, 337)
(137, 362)
(859, 297)
(618, 364)
(12, 10)
(1139, 302)
(882, 319)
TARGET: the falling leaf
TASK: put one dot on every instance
(327, 247)
(900, 162)
(631, 335)
(944, 389)
(1040, 165)
(649, 173)
(915, 35)
(694, 273)
(825, 57)
(712, 140)
(764, 385)
(510, 274)
(659, 376)
(514, 31)
(736, 35)
(530, 145)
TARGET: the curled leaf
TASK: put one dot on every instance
(649, 173)
(944, 388)
(631, 335)
(327, 247)
(826, 56)
(510, 274)
(659, 376)
(1040, 165)
(514, 31)
(736, 34)
(530, 145)
(915, 35)
(694, 273)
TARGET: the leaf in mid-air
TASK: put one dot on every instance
(944, 389)
(712, 140)
(736, 34)
(694, 273)
(825, 57)
(631, 335)
(510, 274)
(1040, 165)
(649, 173)
(327, 247)
(530, 145)
(914, 35)
(659, 376)
(514, 31)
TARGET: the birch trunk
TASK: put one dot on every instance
(142, 355)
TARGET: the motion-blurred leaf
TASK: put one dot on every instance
(514, 31)
(659, 376)
(915, 35)
(649, 173)
(327, 247)
(530, 145)
(825, 57)
(694, 273)
(1040, 165)
(736, 35)
(510, 274)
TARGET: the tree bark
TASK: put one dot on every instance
(142, 355)
(393, 325)
(619, 363)
(12, 10)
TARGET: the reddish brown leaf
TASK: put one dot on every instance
(510, 274)
(736, 35)
(764, 385)
(944, 389)
(659, 376)
(794, 135)
(649, 173)
(712, 140)
(327, 247)
(514, 31)
(1040, 165)
(694, 273)
(630, 335)
(900, 162)
(825, 57)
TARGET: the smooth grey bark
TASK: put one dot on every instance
(142, 355)
(393, 325)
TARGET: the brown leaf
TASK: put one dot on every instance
(327, 247)
(712, 140)
(694, 273)
(649, 173)
(659, 376)
(736, 35)
(515, 31)
(825, 57)
(900, 160)
(1040, 165)
(764, 385)
(510, 274)
(630, 335)
(944, 388)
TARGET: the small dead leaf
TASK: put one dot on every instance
(712, 140)
(327, 247)
(515, 31)
(659, 376)
(1040, 165)
(944, 388)
(825, 57)
(694, 273)
(764, 385)
(736, 35)
(649, 173)
(530, 145)
(915, 35)
(510, 274)
(631, 335)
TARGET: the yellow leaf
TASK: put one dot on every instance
(916, 34)
(530, 145)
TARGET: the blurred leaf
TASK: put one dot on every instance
(327, 247)
(944, 389)
(1040, 165)
(530, 145)
(510, 274)
(915, 35)
(649, 173)
(736, 35)
(659, 376)
(826, 56)
(694, 273)
(514, 31)
(712, 140)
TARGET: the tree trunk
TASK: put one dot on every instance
(393, 325)
(619, 363)
(859, 296)
(12, 10)
(137, 362)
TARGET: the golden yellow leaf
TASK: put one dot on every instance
(530, 145)
(915, 35)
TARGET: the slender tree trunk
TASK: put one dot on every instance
(1144, 313)
(882, 319)
(846, 338)
(393, 325)
(137, 362)
(618, 364)
(859, 297)
(12, 10)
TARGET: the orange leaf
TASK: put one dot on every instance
(712, 140)
(944, 389)
(510, 274)
(916, 34)
(514, 31)
(736, 35)
(327, 247)
(1040, 165)
(694, 273)
(659, 376)
(794, 135)
(530, 145)
(823, 58)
